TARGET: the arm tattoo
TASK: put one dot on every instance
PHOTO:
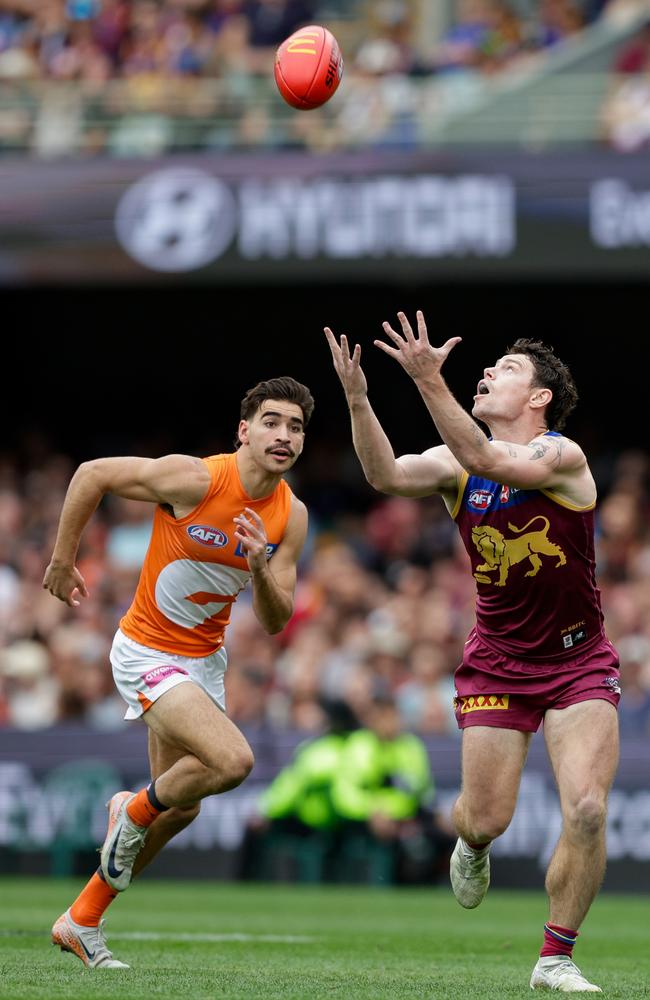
(539, 450)
(511, 451)
(479, 437)
(559, 448)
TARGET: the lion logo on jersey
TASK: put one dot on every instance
(501, 553)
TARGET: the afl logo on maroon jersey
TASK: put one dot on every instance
(205, 535)
(480, 499)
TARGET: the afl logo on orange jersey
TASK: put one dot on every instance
(205, 535)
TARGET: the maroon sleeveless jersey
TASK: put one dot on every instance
(532, 557)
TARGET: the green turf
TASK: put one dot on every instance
(355, 943)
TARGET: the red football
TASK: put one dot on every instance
(308, 67)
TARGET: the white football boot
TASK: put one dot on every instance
(469, 871)
(124, 840)
(559, 972)
(87, 943)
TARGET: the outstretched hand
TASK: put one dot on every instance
(348, 368)
(415, 354)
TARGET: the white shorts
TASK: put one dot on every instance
(142, 674)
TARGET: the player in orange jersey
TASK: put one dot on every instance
(219, 522)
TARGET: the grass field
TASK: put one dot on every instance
(219, 940)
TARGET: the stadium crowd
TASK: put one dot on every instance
(626, 109)
(384, 603)
(94, 40)
(147, 76)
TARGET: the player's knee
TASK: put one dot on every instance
(233, 767)
(487, 824)
(587, 815)
(482, 822)
(240, 765)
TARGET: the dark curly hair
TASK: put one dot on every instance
(284, 388)
(550, 373)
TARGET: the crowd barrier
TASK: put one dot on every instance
(54, 783)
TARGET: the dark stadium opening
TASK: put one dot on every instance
(173, 362)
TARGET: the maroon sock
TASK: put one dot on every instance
(558, 941)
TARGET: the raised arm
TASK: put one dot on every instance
(274, 580)
(434, 471)
(543, 463)
(179, 480)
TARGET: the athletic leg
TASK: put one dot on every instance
(492, 762)
(80, 929)
(582, 743)
(211, 756)
(72, 929)
(215, 755)
(162, 756)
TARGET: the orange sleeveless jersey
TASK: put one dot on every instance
(194, 569)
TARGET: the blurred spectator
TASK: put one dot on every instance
(425, 700)
(625, 113)
(384, 790)
(635, 54)
(621, 530)
(248, 690)
(31, 693)
(302, 791)
(558, 21)
(460, 46)
(128, 537)
(354, 804)
(81, 666)
(393, 531)
(389, 45)
(296, 813)
(505, 41)
(634, 711)
(271, 21)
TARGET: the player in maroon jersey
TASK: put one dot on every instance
(523, 500)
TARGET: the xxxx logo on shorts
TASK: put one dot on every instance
(481, 703)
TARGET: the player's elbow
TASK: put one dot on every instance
(92, 472)
(383, 484)
(481, 466)
(277, 624)
(87, 469)
(273, 621)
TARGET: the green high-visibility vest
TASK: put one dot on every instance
(303, 789)
(392, 777)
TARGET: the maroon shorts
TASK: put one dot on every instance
(495, 690)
